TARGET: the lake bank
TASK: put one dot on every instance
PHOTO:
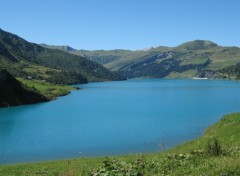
(115, 118)
(190, 158)
(53, 91)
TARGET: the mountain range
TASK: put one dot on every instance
(24, 59)
(65, 65)
(198, 58)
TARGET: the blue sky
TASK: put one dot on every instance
(126, 24)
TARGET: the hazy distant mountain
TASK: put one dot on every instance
(99, 56)
(25, 59)
(13, 93)
(195, 58)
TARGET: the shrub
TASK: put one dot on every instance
(213, 147)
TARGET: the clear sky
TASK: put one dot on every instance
(126, 24)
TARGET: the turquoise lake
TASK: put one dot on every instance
(115, 118)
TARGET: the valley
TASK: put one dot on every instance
(64, 65)
(32, 73)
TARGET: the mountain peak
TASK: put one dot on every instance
(59, 47)
(197, 45)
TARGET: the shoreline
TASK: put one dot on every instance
(123, 155)
(189, 158)
(73, 88)
(150, 153)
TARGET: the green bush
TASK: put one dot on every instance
(213, 147)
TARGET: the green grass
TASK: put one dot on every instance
(186, 74)
(194, 61)
(39, 70)
(191, 158)
(49, 90)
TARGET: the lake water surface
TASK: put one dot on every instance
(115, 118)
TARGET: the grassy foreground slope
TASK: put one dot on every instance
(215, 153)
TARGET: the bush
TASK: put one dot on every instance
(213, 147)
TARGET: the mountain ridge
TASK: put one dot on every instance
(204, 42)
(23, 59)
(197, 58)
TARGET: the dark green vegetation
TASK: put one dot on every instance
(24, 91)
(13, 93)
(24, 59)
(197, 58)
(215, 153)
(42, 70)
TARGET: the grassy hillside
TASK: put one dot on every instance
(206, 58)
(25, 59)
(99, 56)
(215, 153)
(13, 93)
(50, 91)
(25, 91)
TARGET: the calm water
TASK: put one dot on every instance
(115, 118)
